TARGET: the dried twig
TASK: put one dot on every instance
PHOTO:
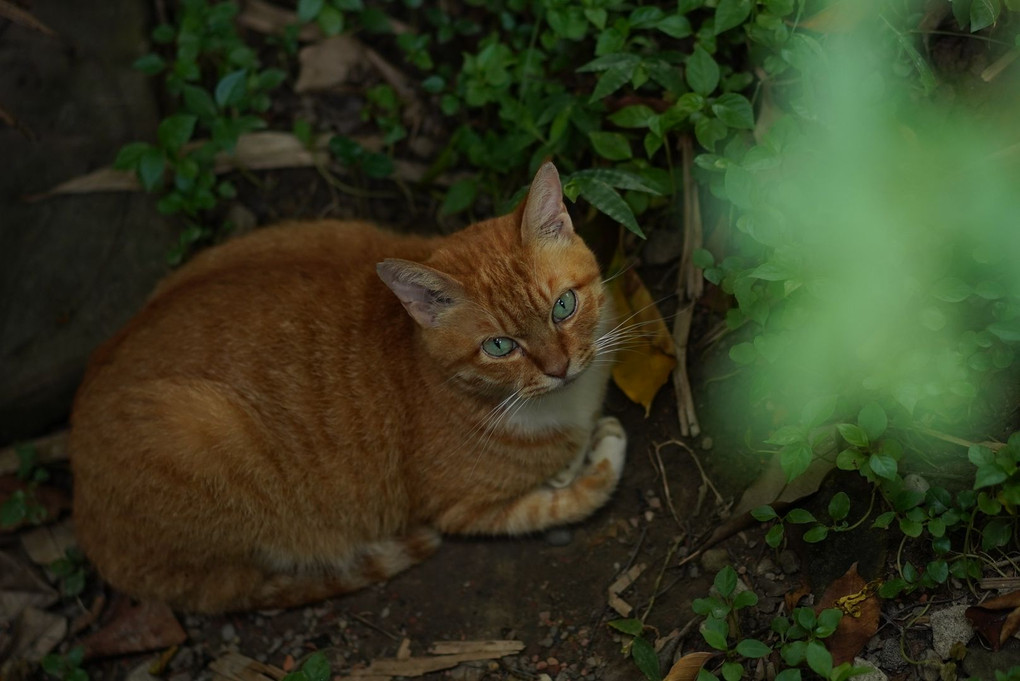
(689, 287)
(665, 482)
(9, 10)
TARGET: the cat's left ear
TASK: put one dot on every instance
(545, 215)
(424, 292)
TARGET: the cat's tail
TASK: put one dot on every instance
(248, 588)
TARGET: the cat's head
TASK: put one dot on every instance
(510, 304)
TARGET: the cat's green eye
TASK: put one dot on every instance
(498, 347)
(564, 306)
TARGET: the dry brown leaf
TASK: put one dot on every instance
(646, 357)
(619, 586)
(18, 15)
(135, 629)
(36, 633)
(236, 667)
(997, 619)
(47, 544)
(500, 647)
(861, 608)
(21, 588)
(842, 16)
(265, 17)
(688, 666)
(106, 179)
(792, 597)
(327, 64)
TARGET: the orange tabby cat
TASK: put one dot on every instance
(274, 428)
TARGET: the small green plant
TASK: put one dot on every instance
(71, 570)
(315, 668)
(639, 648)
(219, 89)
(66, 667)
(22, 506)
(798, 638)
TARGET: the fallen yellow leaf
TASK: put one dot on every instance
(688, 666)
(645, 354)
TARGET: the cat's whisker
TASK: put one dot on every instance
(623, 271)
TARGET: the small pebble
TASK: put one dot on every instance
(228, 632)
(559, 536)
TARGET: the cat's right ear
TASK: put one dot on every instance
(424, 292)
(545, 214)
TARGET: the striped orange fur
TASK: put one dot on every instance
(302, 411)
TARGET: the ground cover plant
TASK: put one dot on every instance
(857, 220)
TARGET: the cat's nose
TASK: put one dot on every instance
(557, 368)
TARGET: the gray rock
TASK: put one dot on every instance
(873, 673)
(73, 268)
(714, 560)
(948, 626)
(789, 562)
(559, 536)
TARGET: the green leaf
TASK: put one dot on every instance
(983, 13)
(175, 131)
(764, 513)
(129, 155)
(611, 145)
(816, 534)
(743, 353)
(725, 581)
(911, 528)
(317, 667)
(828, 620)
(330, 20)
(892, 588)
(884, 520)
(675, 26)
(709, 131)
(853, 434)
(150, 168)
(988, 505)
(645, 658)
(74, 584)
(883, 466)
(794, 459)
(818, 410)
(774, 537)
(789, 675)
(199, 102)
(732, 671)
(377, 165)
(873, 421)
(839, 506)
(980, 456)
(308, 9)
(938, 570)
(149, 64)
(753, 648)
(612, 80)
(715, 631)
(231, 88)
(936, 527)
(730, 13)
(607, 200)
(621, 179)
(996, 533)
(460, 196)
(818, 658)
(14, 510)
(702, 72)
(632, 626)
(988, 475)
(745, 599)
(734, 110)
(635, 116)
(800, 516)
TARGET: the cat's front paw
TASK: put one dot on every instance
(609, 443)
